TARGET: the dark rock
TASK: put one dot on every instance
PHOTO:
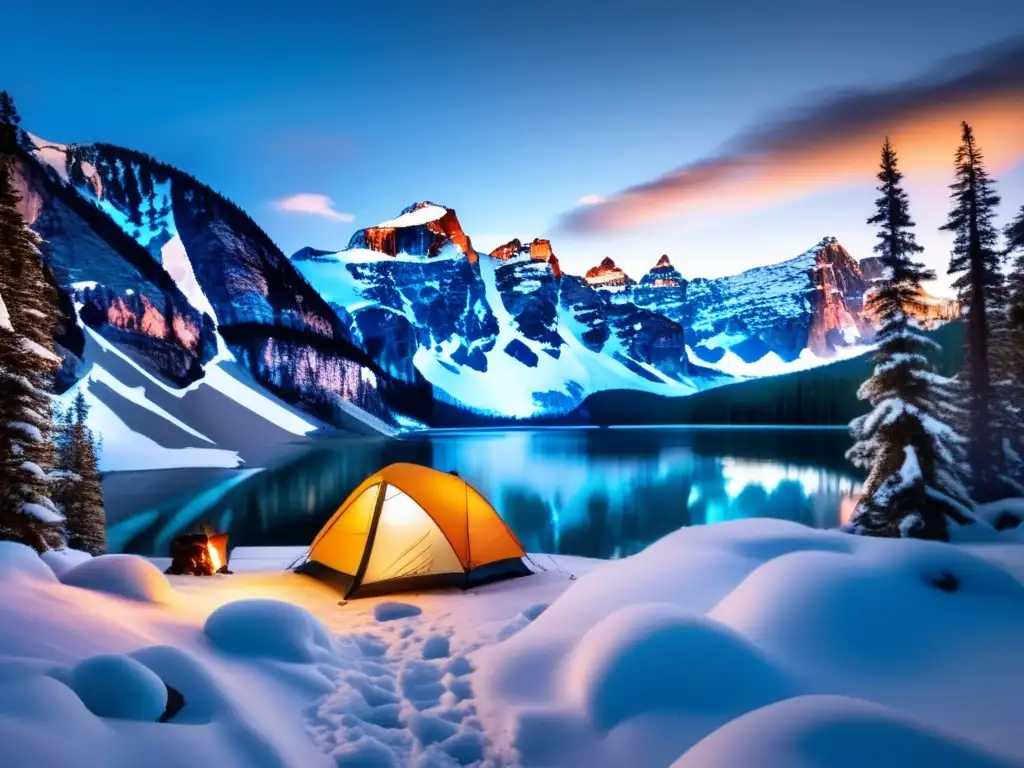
(175, 703)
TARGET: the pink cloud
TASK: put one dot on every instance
(835, 141)
(312, 204)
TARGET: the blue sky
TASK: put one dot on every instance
(507, 112)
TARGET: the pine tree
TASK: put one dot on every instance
(132, 194)
(911, 454)
(976, 261)
(11, 134)
(80, 491)
(1012, 357)
(27, 361)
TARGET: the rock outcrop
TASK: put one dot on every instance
(422, 229)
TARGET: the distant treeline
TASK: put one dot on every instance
(822, 396)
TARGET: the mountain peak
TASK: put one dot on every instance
(538, 250)
(663, 275)
(421, 229)
(606, 274)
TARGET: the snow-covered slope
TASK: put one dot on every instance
(222, 420)
(749, 644)
(161, 266)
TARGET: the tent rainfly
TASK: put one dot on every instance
(410, 527)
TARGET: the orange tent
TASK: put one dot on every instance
(412, 527)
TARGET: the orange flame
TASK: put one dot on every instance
(214, 556)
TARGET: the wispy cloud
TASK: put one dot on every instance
(590, 200)
(834, 140)
(312, 204)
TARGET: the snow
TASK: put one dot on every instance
(394, 611)
(753, 642)
(771, 364)
(416, 218)
(119, 687)
(269, 629)
(178, 266)
(137, 395)
(5, 318)
(63, 560)
(832, 731)
(126, 450)
(40, 351)
(46, 514)
(128, 576)
(18, 562)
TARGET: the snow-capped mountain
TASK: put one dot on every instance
(156, 266)
(409, 320)
(509, 334)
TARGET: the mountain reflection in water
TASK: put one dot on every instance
(590, 492)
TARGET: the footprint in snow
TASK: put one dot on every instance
(393, 611)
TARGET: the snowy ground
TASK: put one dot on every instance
(752, 643)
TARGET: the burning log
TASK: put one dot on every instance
(199, 554)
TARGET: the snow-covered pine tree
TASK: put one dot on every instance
(27, 363)
(976, 261)
(79, 491)
(910, 452)
(1012, 354)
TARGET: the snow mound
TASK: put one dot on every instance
(269, 629)
(183, 671)
(63, 560)
(391, 611)
(127, 576)
(832, 732)
(658, 658)
(18, 561)
(789, 604)
(644, 657)
(119, 687)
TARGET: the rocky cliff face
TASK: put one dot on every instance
(837, 300)
(527, 280)
(662, 291)
(122, 292)
(813, 302)
(168, 269)
(422, 229)
(608, 276)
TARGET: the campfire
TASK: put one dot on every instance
(199, 554)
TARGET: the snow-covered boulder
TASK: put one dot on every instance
(63, 560)
(119, 687)
(269, 629)
(127, 576)
(18, 561)
(832, 732)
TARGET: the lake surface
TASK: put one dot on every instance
(592, 492)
